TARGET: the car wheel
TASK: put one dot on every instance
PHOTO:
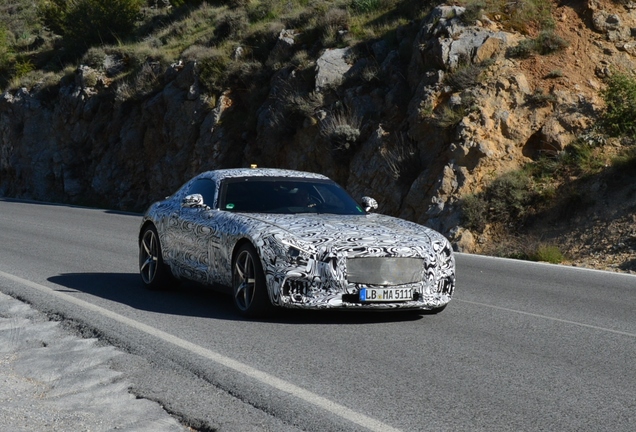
(248, 284)
(154, 273)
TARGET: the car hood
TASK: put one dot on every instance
(354, 232)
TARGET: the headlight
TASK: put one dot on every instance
(293, 252)
(296, 256)
(288, 249)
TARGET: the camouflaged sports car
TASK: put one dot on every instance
(292, 239)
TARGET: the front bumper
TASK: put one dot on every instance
(322, 284)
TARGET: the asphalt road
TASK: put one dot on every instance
(522, 346)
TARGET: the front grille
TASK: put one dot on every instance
(385, 270)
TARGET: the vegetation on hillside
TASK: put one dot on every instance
(43, 37)
(57, 34)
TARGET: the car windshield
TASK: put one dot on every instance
(286, 196)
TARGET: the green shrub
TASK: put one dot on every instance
(297, 106)
(529, 249)
(342, 130)
(148, 79)
(626, 161)
(474, 212)
(547, 253)
(343, 136)
(619, 117)
(540, 99)
(523, 13)
(304, 105)
(22, 67)
(330, 24)
(179, 3)
(238, 4)
(543, 168)
(473, 12)
(92, 22)
(556, 73)
(509, 197)
(547, 42)
(94, 57)
(231, 25)
(212, 72)
(450, 117)
(5, 48)
(523, 49)
(579, 157)
(465, 76)
(53, 14)
(577, 154)
(366, 6)
(264, 10)
(197, 52)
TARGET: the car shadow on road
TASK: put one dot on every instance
(127, 288)
(189, 299)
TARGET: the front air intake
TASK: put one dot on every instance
(385, 270)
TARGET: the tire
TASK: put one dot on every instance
(249, 290)
(153, 271)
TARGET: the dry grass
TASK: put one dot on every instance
(401, 157)
(342, 129)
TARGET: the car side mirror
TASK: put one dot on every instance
(193, 201)
(369, 203)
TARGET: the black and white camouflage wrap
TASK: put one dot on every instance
(304, 256)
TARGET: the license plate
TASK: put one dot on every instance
(386, 294)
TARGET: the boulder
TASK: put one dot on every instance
(331, 68)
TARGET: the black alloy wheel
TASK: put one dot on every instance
(154, 273)
(248, 284)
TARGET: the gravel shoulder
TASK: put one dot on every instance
(51, 380)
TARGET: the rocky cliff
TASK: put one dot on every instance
(417, 124)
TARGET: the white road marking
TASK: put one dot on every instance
(548, 318)
(561, 267)
(263, 377)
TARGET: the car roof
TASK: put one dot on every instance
(221, 174)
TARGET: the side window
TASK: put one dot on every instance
(245, 196)
(206, 188)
